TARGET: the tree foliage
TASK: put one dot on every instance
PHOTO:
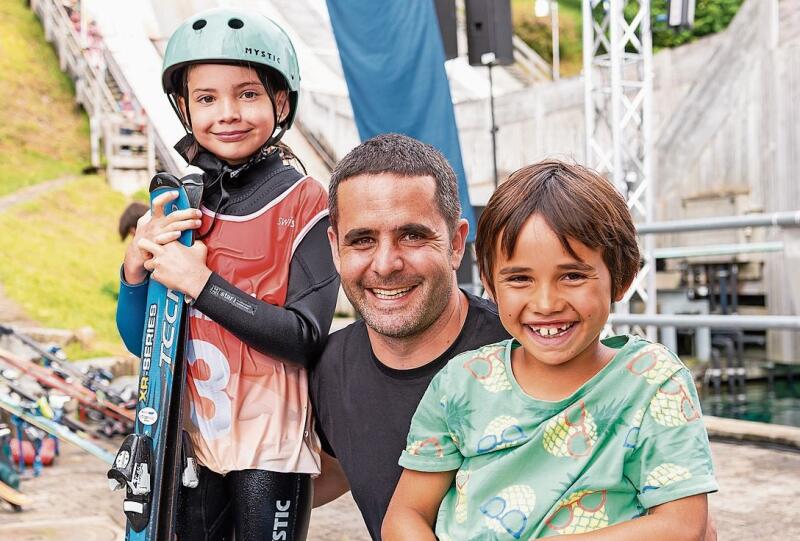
(711, 16)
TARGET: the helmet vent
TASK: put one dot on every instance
(199, 24)
(236, 24)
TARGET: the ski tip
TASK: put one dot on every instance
(164, 180)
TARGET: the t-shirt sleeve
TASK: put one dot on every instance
(430, 446)
(672, 457)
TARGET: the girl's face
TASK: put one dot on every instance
(230, 110)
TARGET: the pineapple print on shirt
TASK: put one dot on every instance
(462, 478)
(427, 447)
(672, 404)
(508, 511)
(572, 433)
(666, 474)
(488, 368)
(580, 512)
(654, 363)
(502, 432)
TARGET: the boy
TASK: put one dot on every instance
(555, 432)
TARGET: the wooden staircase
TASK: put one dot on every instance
(119, 142)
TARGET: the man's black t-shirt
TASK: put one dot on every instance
(364, 408)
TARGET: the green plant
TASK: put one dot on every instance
(711, 16)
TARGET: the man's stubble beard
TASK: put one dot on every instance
(406, 324)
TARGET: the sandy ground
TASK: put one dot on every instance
(759, 490)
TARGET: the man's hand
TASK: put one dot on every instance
(331, 483)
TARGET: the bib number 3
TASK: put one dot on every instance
(212, 389)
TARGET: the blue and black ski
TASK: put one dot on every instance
(152, 462)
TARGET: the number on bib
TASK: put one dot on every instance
(212, 389)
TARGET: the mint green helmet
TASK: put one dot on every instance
(225, 35)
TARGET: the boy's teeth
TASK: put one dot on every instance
(390, 293)
(551, 331)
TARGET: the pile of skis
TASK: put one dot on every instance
(34, 398)
(55, 377)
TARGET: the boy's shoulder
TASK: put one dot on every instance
(654, 362)
(482, 365)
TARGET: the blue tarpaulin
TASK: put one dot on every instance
(393, 60)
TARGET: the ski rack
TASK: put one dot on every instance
(47, 377)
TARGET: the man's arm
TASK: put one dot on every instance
(683, 519)
(412, 511)
(331, 483)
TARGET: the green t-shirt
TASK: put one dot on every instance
(629, 439)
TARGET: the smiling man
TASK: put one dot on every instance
(397, 240)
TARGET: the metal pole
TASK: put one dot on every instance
(588, 88)
(756, 323)
(777, 219)
(648, 179)
(494, 126)
(679, 252)
(615, 18)
(556, 40)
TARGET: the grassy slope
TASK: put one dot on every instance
(43, 135)
(61, 256)
(59, 253)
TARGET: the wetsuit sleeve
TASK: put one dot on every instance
(295, 332)
(130, 313)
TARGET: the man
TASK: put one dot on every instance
(397, 241)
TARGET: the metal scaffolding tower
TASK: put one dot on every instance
(618, 93)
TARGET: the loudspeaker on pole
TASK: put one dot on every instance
(489, 30)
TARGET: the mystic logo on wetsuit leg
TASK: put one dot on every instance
(281, 522)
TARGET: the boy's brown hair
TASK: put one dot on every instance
(130, 216)
(576, 202)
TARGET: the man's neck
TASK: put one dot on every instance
(420, 349)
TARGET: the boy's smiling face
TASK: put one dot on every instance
(554, 304)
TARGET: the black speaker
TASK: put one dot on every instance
(489, 30)
(446, 14)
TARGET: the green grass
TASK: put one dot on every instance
(43, 134)
(60, 260)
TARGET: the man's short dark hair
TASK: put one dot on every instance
(130, 216)
(405, 157)
(576, 202)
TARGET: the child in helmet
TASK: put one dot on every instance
(260, 275)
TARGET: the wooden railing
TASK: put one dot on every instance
(126, 145)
